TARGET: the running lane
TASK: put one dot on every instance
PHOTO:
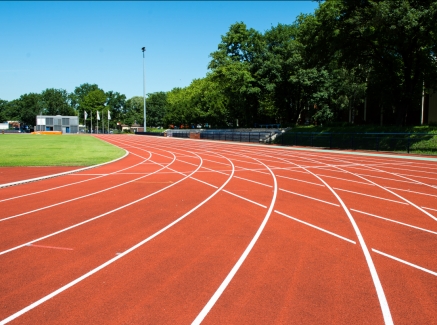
(231, 234)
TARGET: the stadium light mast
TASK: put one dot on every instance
(144, 91)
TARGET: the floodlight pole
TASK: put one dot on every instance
(144, 91)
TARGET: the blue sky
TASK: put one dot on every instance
(64, 44)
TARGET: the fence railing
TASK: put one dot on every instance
(397, 142)
(158, 134)
(403, 142)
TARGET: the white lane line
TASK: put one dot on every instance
(61, 174)
(405, 262)
(299, 180)
(242, 178)
(377, 283)
(429, 209)
(241, 197)
(376, 197)
(386, 189)
(88, 174)
(391, 179)
(86, 275)
(313, 226)
(394, 221)
(309, 197)
(74, 183)
(78, 198)
(199, 180)
(249, 180)
(346, 180)
(97, 217)
(404, 190)
(242, 258)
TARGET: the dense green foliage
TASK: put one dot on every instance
(361, 62)
(53, 150)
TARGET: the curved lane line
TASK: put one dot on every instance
(242, 258)
(96, 217)
(377, 283)
(386, 189)
(95, 270)
(61, 174)
(77, 198)
(74, 183)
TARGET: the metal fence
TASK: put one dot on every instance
(396, 142)
(401, 142)
(161, 134)
(258, 137)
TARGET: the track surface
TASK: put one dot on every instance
(188, 231)
(15, 174)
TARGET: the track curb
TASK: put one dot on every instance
(30, 180)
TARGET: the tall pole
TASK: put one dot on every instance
(144, 91)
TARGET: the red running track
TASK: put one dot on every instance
(187, 231)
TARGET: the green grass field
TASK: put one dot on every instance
(55, 150)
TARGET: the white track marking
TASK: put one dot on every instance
(377, 283)
(397, 174)
(395, 194)
(249, 180)
(79, 197)
(242, 178)
(405, 262)
(346, 180)
(86, 275)
(88, 175)
(61, 174)
(394, 221)
(99, 216)
(309, 197)
(70, 184)
(299, 180)
(242, 258)
(403, 190)
(429, 209)
(313, 226)
(259, 204)
(376, 197)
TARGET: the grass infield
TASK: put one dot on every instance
(55, 150)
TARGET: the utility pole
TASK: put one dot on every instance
(144, 91)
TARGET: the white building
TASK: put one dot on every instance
(66, 124)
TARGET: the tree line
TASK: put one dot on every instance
(367, 61)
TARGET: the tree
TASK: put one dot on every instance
(115, 103)
(77, 97)
(56, 102)
(156, 104)
(393, 40)
(133, 111)
(25, 109)
(4, 115)
(233, 68)
(94, 102)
